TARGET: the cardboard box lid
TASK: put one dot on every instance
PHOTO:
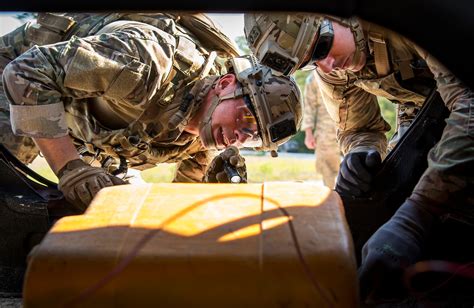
(270, 244)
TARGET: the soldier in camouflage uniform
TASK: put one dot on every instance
(320, 133)
(134, 90)
(356, 62)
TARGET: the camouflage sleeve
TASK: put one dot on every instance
(127, 65)
(311, 101)
(325, 126)
(11, 46)
(448, 179)
(194, 168)
(360, 125)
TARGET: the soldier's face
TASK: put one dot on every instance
(341, 55)
(233, 124)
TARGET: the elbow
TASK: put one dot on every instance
(13, 84)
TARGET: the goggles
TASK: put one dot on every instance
(324, 42)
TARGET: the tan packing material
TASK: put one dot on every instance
(281, 244)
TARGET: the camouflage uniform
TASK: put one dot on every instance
(115, 90)
(351, 100)
(316, 117)
(11, 45)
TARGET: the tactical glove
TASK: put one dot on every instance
(80, 182)
(231, 160)
(391, 249)
(356, 173)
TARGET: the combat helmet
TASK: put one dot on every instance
(275, 101)
(288, 42)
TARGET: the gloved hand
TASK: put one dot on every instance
(356, 172)
(216, 172)
(80, 182)
(391, 249)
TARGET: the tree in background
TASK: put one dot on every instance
(25, 16)
(242, 44)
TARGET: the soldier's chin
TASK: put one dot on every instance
(206, 143)
(357, 63)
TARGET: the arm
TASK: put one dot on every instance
(205, 166)
(11, 46)
(443, 191)
(360, 125)
(190, 171)
(448, 180)
(361, 131)
(57, 151)
(309, 139)
(311, 99)
(194, 168)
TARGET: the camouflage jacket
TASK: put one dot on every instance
(113, 89)
(351, 101)
(315, 115)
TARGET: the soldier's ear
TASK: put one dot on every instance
(224, 82)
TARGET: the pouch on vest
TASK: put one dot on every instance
(49, 29)
(208, 33)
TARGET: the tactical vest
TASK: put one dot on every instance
(396, 67)
(200, 36)
(142, 143)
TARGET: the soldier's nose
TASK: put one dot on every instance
(326, 64)
(240, 136)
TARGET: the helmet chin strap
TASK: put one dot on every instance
(205, 127)
(357, 59)
(359, 40)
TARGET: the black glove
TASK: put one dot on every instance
(356, 173)
(80, 182)
(229, 159)
(392, 248)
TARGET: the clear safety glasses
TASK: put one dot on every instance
(247, 125)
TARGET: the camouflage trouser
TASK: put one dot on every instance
(22, 147)
(328, 159)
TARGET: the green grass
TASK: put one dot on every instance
(389, 113)
(40, 166)
(163, 173)
(265, 169)
(259, 169)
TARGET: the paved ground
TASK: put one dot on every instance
(6, 302)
